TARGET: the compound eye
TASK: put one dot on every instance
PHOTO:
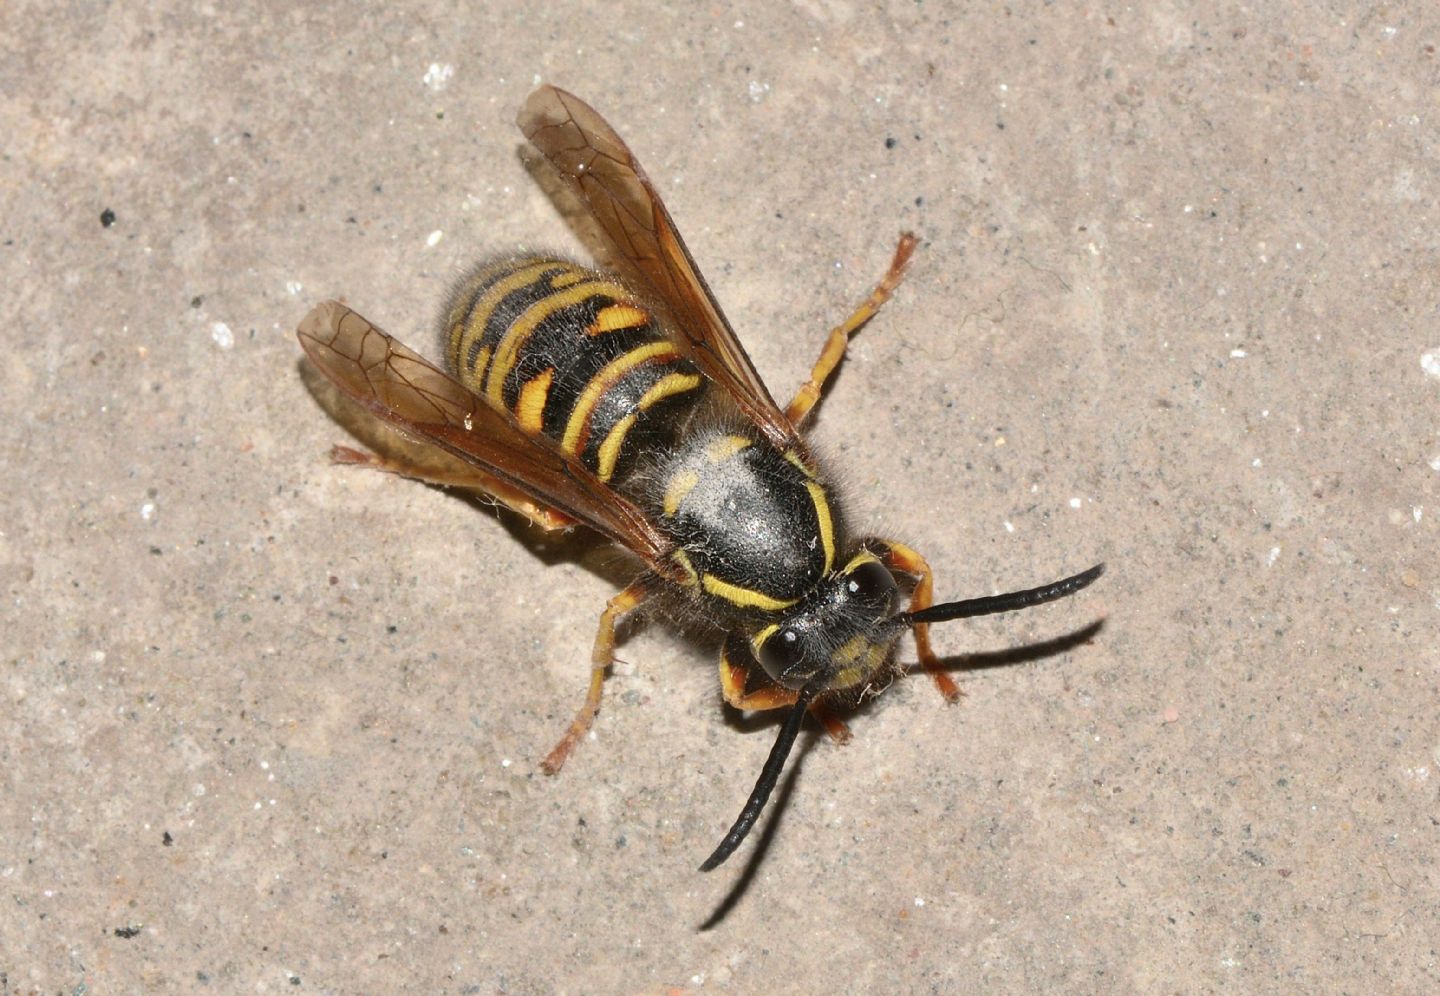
(780, 653)
(872, 582)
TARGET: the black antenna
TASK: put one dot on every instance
(991, 604)
(775, 763)
(769, 775)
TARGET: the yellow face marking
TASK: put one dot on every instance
(724, 447)
(577, 427)
(867, 662)
(849, 652)
(848, 677)
(519, 332)
(617, 317)
(609, 451)
(530, 411)
(746, 598)
(680, 485)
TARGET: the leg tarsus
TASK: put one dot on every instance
(834, 349)
(601, 656)
(834, 725)
(350, 457)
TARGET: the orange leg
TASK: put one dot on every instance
(601, 656)
(733, 678)
(900, 557)
(454, 474)
(834, 349)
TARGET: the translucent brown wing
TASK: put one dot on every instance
(586, 151)
(406, 390)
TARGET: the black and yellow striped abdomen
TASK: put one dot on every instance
(572, 355)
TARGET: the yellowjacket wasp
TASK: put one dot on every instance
(573, 399)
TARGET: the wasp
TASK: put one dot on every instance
(575, 397)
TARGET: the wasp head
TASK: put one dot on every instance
(841, 634)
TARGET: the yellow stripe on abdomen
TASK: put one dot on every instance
(668, 386)
(577, 427)
(470, 316)
(519, 332)
(530, 409)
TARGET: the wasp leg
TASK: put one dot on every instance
(454, 474)
(834, 349)
(735, 675)
(900, 557)
(601, 657)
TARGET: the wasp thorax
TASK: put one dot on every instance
(845, 628)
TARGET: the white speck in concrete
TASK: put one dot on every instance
(438, 76)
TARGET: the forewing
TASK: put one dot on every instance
(586, 151)
(406, 390)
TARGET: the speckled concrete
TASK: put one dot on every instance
(274, 726)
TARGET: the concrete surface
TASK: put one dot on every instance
(274, 726)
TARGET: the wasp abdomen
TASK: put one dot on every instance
(573, 356)
(753, 524)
